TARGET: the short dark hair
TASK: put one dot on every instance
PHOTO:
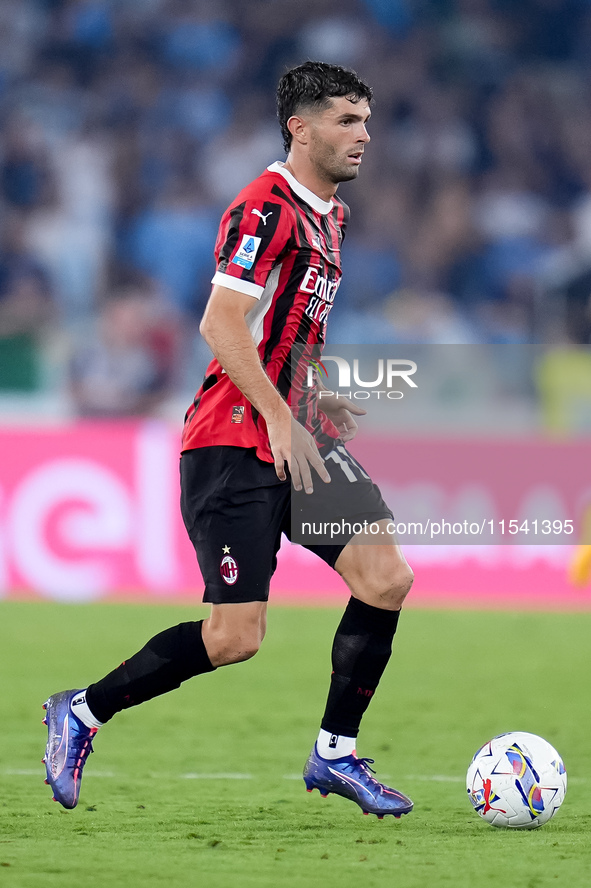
(311, 85)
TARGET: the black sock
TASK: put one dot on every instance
(360, 653)
(166, 660)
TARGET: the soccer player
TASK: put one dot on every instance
(259, 448)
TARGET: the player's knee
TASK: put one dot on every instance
(387, 586)
(247, 646)
(237, 649)
(239, 654)
(396, 585)
(231, 635)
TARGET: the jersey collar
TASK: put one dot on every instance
(321, 206)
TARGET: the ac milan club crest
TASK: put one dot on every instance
(228, 568)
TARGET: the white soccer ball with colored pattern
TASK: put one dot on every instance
(516, 780)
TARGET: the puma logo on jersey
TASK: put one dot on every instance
(258, 213)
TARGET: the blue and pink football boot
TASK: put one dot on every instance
(69, 743)
(351, 777)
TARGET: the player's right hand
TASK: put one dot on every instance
(298, 449)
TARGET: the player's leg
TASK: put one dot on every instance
(233, 506)
(232, 633)
(379, 579)
(73, 717)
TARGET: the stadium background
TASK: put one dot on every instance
(126, 129)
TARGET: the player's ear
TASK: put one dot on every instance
(298, 129)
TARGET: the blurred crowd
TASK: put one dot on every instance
(128, 125)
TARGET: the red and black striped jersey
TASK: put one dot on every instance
(279, 243)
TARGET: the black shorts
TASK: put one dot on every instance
(235, 509)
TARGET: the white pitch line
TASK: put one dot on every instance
(30, 772)
(216, 776)
(426, 778)
(434, 778)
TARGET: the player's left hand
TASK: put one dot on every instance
(340, 411)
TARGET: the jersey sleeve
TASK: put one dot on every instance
(253, 237)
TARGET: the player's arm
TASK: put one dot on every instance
(340, 411)
(225, 330)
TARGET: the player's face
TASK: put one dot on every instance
(338, 137)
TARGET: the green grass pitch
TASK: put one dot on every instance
(202, 787)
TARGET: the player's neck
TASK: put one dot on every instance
(307, 176)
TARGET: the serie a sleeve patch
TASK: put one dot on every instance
(247, 251)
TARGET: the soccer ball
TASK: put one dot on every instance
(517, 780)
